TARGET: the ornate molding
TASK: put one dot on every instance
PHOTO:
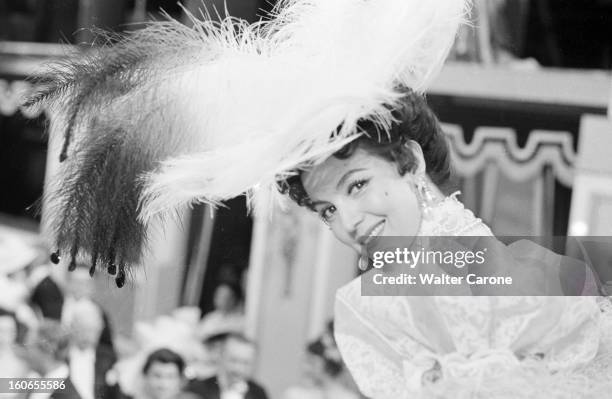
(494, 145)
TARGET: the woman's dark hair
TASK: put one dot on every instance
(164, 356)
(333, 367)
(216, 338)
(414, 121)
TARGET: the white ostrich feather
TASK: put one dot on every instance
(272, 105)
(170, 115)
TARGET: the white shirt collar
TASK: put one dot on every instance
(236, 391)
(82, 370)
(60, 372)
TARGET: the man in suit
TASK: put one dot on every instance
(45, 352)
(88, 359)
(163, 376)
(55, 301)
(80, 286)
(46, 294)
(233, 380)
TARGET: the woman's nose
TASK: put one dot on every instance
(350, 219)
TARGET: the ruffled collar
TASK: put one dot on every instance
(449, 217)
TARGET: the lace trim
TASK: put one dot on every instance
(450, 218)
(376, 376)
(573, 355)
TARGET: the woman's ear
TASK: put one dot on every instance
(417, 152)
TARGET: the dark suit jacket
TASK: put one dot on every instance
(49, 298)
(69, 392)
(105, 359)
(210, 389)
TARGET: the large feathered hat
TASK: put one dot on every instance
(170, 115)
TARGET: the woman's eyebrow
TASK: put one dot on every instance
(346, 176)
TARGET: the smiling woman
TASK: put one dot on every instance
(362, 197)
(397, 346)
(326, 92)
(371, 186)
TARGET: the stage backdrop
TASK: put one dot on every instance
(295, 269)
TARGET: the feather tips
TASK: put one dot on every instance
(171, 115)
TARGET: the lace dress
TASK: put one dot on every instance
(474, 347)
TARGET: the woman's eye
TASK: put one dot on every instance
(357, 186)
(327, 213)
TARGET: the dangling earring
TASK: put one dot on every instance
(363, 263)
(426, 197)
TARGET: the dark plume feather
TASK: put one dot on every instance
(170, 115)
(96, 203)
(105, 105)
(87, 78)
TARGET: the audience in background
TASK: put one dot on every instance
(175, 332)
(233, 379)
(65, 332)
(11, 365)
(45, 351)
(209, 365)
(228, 315)
(88, 360)
(322, 372)
(79, 287)
(46, 295)
(175, 356)
(164, 376)
(16, 259)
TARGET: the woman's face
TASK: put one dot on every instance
(363, 197)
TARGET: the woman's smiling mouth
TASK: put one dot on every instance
(372, 233)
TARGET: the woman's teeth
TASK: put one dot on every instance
(377, 230)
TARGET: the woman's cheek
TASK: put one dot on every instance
(342, 236)
(375, 201)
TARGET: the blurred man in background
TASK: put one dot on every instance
(233, 380)
(164, 376)
(228, 315)
(88, 361)
(321, 374)
(16, 314)
(11, 365)
(208, 364)
(45, 351)
(46, 294)
(79, 288)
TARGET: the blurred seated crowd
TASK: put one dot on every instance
(53, 328)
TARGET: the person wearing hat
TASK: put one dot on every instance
(323, 103)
